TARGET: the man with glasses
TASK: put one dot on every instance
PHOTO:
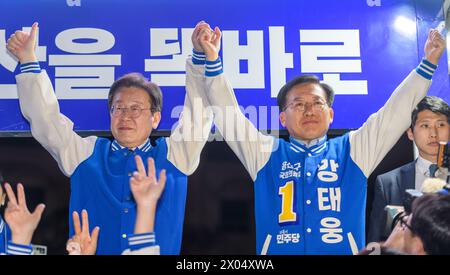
(100, 170)
(426, 230)
(310, 192)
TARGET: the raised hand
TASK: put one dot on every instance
(195, 35)
(209, 40)
(82, 243)
(18, 217)
(22, 45)
(434, 47)
(145, 187)
(146, 191)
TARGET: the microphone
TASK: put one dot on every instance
(432, 185)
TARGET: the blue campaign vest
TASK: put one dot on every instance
(100, 184)
(323, 193)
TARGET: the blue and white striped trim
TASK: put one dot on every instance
(198, 58)
(115, 146)
(32, 67)
(426, 69)
(18, 249)
(138, 241)
(296, 148)
(147, 146)
(2, 225)
(319, 148)
(214, 68)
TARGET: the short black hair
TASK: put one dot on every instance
(431, 103)
(137, 80)
(303, 79)
(430, 221)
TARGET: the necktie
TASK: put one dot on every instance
(433, 168)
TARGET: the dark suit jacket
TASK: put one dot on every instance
(389, 190)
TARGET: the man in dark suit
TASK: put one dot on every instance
(429, 125)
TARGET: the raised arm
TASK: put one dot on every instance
(251, 147)
(370, 143)
(194, 125)
(39, 106)
(147, 190)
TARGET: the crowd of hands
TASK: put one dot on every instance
(146, 190)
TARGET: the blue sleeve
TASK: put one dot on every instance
(198, 58)
(32, 67)
(18, 249)
(426, 69)
(213, 68)
(139, 241)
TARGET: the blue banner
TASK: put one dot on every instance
(363, 48)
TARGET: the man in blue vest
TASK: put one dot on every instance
(310, 191)
(100, 169)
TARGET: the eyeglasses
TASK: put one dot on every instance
(300, 106)
(403, 219)
(134, 111)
